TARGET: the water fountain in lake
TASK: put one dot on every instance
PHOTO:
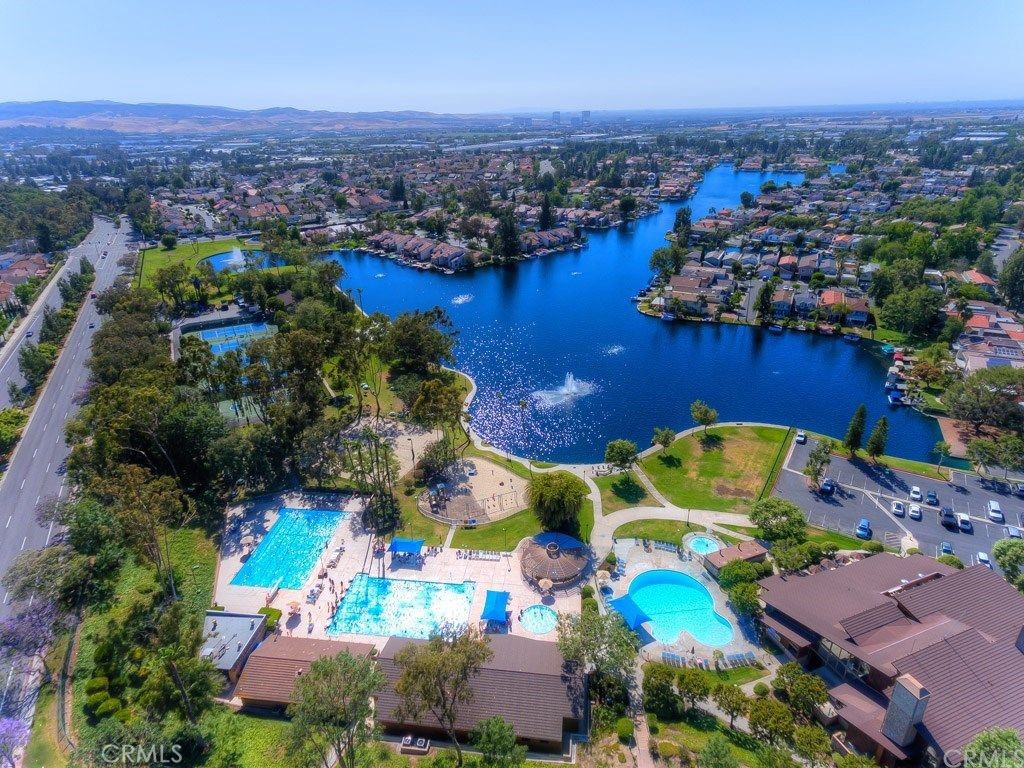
(572, 389)
(236, 261)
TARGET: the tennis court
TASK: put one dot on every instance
(232, 337)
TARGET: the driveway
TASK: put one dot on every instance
(866, 490)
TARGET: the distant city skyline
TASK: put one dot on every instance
(530, 57)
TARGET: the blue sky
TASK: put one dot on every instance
(455, 56)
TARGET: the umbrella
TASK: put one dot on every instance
(603, 577)
(294, 607)
(545, 584)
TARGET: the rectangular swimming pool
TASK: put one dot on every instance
(401, 608)
(288, 553)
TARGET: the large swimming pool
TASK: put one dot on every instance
(677, 602)
(287, 554)
(401, 607)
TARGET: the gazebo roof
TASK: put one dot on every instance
(554, 556)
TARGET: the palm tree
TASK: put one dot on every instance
(942, 450)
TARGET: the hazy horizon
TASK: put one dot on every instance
(530, 57)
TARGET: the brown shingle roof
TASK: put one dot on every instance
(271, 671)
(744, 550)
(820, 602)
(527, 682)
(974, 684)
(998, 614)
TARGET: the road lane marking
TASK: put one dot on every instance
(35, 452)
(23, 542)
(49, 533)
(9, 522)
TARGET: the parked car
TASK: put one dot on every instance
(1013, 532)
(963, 522)
(984, 559)
(945, 548)
(915, 494)
(1017, 489)
(92, 295)
(801, 437)
(995, 512)
(898, 510)
(947, 518)
(828, 486)
(863, 529)
(915, 512)
(932, 498)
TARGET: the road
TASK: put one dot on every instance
(1006, 244)
(36, 469)
(92, 247)
(866, 490)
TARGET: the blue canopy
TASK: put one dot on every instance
(407, 546)
(495, 606)
(630, 611)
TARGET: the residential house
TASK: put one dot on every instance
(782, 303)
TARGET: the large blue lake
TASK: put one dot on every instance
(524, 327)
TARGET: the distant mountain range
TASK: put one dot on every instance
(191, 118)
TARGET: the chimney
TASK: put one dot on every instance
(905, 711)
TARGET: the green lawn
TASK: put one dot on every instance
(724, 469)
(694, 730)
(416, 525)
(503, 535)
(195, 561)
(621, 491)
(43, 747)
(263, 739)
(740, 676)
(153, 259)
(658, 530)
(819, 535)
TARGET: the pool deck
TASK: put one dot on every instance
(638, 561)
(442, 565)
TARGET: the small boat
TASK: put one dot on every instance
(775, 328)
(853, 338)
(801, 327)
(888, 349)
(895, 398)
(638, 297)
(667, 316)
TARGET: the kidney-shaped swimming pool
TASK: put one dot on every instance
(676, 602)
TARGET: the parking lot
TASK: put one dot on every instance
(867, 491)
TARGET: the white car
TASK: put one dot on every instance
(984, 560)
(898, 509)
(995, 512)
(801, 437)
(915, 512)
(915, 494)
